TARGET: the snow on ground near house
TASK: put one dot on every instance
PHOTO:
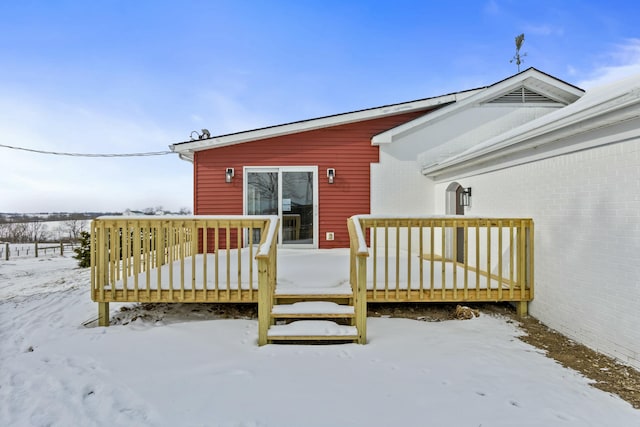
(54, 371)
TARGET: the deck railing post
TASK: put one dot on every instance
(267, 278)
(103, 314)
(361, 300)
(264, 307)
(358, 279)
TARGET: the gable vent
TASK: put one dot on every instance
(522, 96)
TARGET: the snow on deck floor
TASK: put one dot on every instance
(54, 371)
(313, 307)
(315, 328)
(327, 271)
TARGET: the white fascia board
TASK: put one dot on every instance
(529, 78)
(532, 153)
(186, 149)
(530, 138)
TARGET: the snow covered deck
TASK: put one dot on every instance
(236, 260)
(444, 258)
(238, 271)
(182, 259)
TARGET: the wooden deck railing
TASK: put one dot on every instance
(445, 259)
(358, 276)
(181, 259)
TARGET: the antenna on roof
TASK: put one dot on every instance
(517, 58)
(204, 135)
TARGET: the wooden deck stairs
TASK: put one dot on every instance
(313, 315)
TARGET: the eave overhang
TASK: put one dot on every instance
(531, 79)
(187, 149)
(554, 134)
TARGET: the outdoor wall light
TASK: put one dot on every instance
(465, 197)
(228, 175)
(331, 174)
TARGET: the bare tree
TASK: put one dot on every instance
(4, 231)
(73, 228)
(18, 232)
(36, 231)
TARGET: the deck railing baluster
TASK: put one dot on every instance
(227, 242)
(466, 260)
(443, 262)
(239, 250)
(409, 260)
(500, 256)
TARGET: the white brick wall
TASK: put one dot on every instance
(586, 209)
(398, 187)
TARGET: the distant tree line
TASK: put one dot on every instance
(36, 227)
(6, 218)
(38, 231)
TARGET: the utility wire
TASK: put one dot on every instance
(55, 153)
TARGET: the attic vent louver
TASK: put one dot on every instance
(522, 96)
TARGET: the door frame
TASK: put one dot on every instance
(280, 170)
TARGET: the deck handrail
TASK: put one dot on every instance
(267, 276)
(358, 254)
(445, 258)
(180, 259)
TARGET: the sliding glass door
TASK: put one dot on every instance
(290, 193)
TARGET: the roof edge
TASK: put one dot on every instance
(479, 97)
(545, 130)
(187, 148)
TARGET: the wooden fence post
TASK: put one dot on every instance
(6, 251)
(36, 249)
(61, 248)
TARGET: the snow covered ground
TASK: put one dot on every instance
(200, 372)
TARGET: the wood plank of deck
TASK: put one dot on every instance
(307, 308)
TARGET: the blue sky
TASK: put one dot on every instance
(127, 76)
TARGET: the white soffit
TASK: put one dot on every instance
(598, 109)
(556, 91)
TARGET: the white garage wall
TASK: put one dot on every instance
(586, 209)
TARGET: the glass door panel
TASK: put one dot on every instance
(297, 207)
(262, 193)
(262, 196)
(290, 192)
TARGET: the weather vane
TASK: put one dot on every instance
(517, 57)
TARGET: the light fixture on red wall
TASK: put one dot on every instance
(228, 175)
(331, 174)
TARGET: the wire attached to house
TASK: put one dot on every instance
(58, 153)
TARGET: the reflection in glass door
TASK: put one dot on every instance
(262, 193)
(290, 193)
(297, 208)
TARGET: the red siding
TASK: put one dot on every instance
(346, 148)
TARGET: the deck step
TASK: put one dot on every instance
(313, 309)
(312, 330)
(336, 291)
